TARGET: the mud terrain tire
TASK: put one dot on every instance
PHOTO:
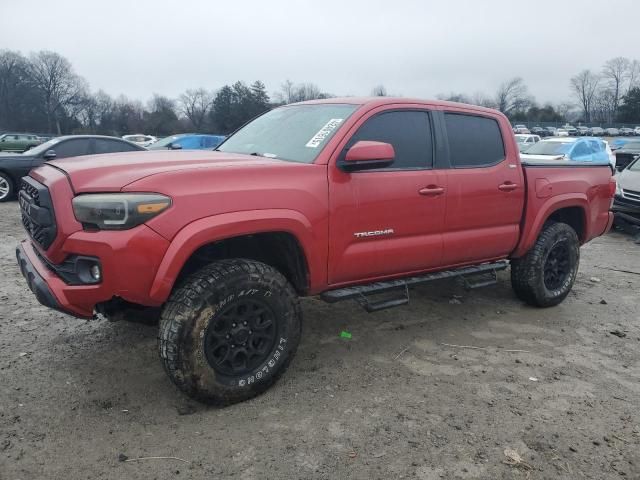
(229, 331)
(545, 275)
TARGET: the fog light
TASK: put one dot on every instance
(96, 274)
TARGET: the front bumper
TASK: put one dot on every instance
(129, 260)
(39, 278)
(626, 210)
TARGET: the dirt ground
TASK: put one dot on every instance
(397, 400)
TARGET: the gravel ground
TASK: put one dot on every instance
(445, 387)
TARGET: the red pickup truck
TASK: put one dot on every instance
(345, 198)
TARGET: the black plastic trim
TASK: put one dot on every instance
(35, 282)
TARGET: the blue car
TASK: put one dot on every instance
(188, 141)
(618, 143)
(583, 149)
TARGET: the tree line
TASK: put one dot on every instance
(609, 95)
(42, 93)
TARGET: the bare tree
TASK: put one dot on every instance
(616, 73)
(57, 84)
(585, 86)
(604, 106)
(291, 93)
(634, 75)
(195, 105)
(513, 96)
(379, 91)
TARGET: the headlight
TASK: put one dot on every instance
(618, 189)
(118, 211)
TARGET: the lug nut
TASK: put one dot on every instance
(228, 336)
(233, 346)
(233, 325)
(244, 323)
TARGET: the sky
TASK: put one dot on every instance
(414, 48)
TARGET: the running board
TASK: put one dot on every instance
(361, 291)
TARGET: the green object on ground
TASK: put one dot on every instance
(345, 334)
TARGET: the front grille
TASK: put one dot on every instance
(631, 195)
(37, 213)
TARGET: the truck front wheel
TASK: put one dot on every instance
(545, 275)
(229, 331)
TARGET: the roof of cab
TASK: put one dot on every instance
(381, 101)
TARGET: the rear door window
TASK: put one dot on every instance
(474, 141)
(72, 148)
(104, 145)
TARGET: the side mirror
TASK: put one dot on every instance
(175, 146)
(49, 155)
(367, 155)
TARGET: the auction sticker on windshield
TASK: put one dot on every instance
(324, 132)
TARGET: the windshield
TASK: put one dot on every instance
(43, 147)
(549, 148)
(296, 133)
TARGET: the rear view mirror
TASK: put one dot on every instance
(175, 146)
(49, 155)
(367, 155)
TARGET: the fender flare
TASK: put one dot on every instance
(228, 225)
(530, 234)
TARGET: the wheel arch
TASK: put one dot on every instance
(569, 209)
(280, 238)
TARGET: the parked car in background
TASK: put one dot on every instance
(541, 132)
(571, 130)
(636, 131)
(583, 131)
(627, 132)
(561, 132)
(14, 167)
(140, 139)
(626, 203)
(18, 142)
(525, 141)
(188, 141)
(521, 129)
(584, 149)
(597, 131)
(611, 132)
(627, 154)
(617, 143)
(551, 131)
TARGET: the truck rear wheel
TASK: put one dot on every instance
(545, 275)
(229, 331)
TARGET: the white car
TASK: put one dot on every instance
(140, 139)
(525, 141)
(579, 149)
(521, 129)
(561, 132)
(636, 131)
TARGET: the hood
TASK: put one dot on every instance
(524, 156)
(629, 179)
(112, 172)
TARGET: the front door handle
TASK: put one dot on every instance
(431, 190)
(508, 187)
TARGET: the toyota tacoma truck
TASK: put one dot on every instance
(342, 198)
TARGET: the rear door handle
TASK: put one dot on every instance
(431, 190)
(508, 187)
